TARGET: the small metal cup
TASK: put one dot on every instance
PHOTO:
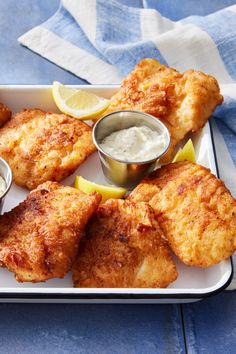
(120, 172)
(6, 174)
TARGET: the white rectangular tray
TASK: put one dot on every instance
(192, 283)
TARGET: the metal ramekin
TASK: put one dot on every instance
(6, 174)
(120, 172)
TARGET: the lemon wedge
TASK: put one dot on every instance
(107, 192)
(78, 103)
(186, 153)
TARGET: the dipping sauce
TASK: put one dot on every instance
(3, 186)
(134, 144)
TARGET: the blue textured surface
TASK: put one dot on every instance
(93, 329)
(18, 64)
(176, 10)
(211, 325)
(137, 329)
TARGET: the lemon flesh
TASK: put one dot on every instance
(78, 103)
(186, 153)
(107, 192)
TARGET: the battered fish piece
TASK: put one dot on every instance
(183, 102)
(39, 238)
(42, 146)
(5, 114)
(195, 211)
(123, 248)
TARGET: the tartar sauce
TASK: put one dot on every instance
(3, 186)
(134, 144)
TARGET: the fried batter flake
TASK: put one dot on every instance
(5, 114)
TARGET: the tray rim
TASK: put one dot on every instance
(62, 294)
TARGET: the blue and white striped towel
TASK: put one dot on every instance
(101, 41)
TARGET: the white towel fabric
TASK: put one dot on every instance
(101, 41)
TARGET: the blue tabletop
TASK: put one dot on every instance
(204, 327)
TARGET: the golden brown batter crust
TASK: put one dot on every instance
(195, 211)
(183, 102)
(123, 248)
(42, 146)
(39, 238)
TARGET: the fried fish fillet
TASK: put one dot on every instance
(123, 248)
(5, 114)
(42, 146)
(195, 211)
(39, 238)
(183, 102)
